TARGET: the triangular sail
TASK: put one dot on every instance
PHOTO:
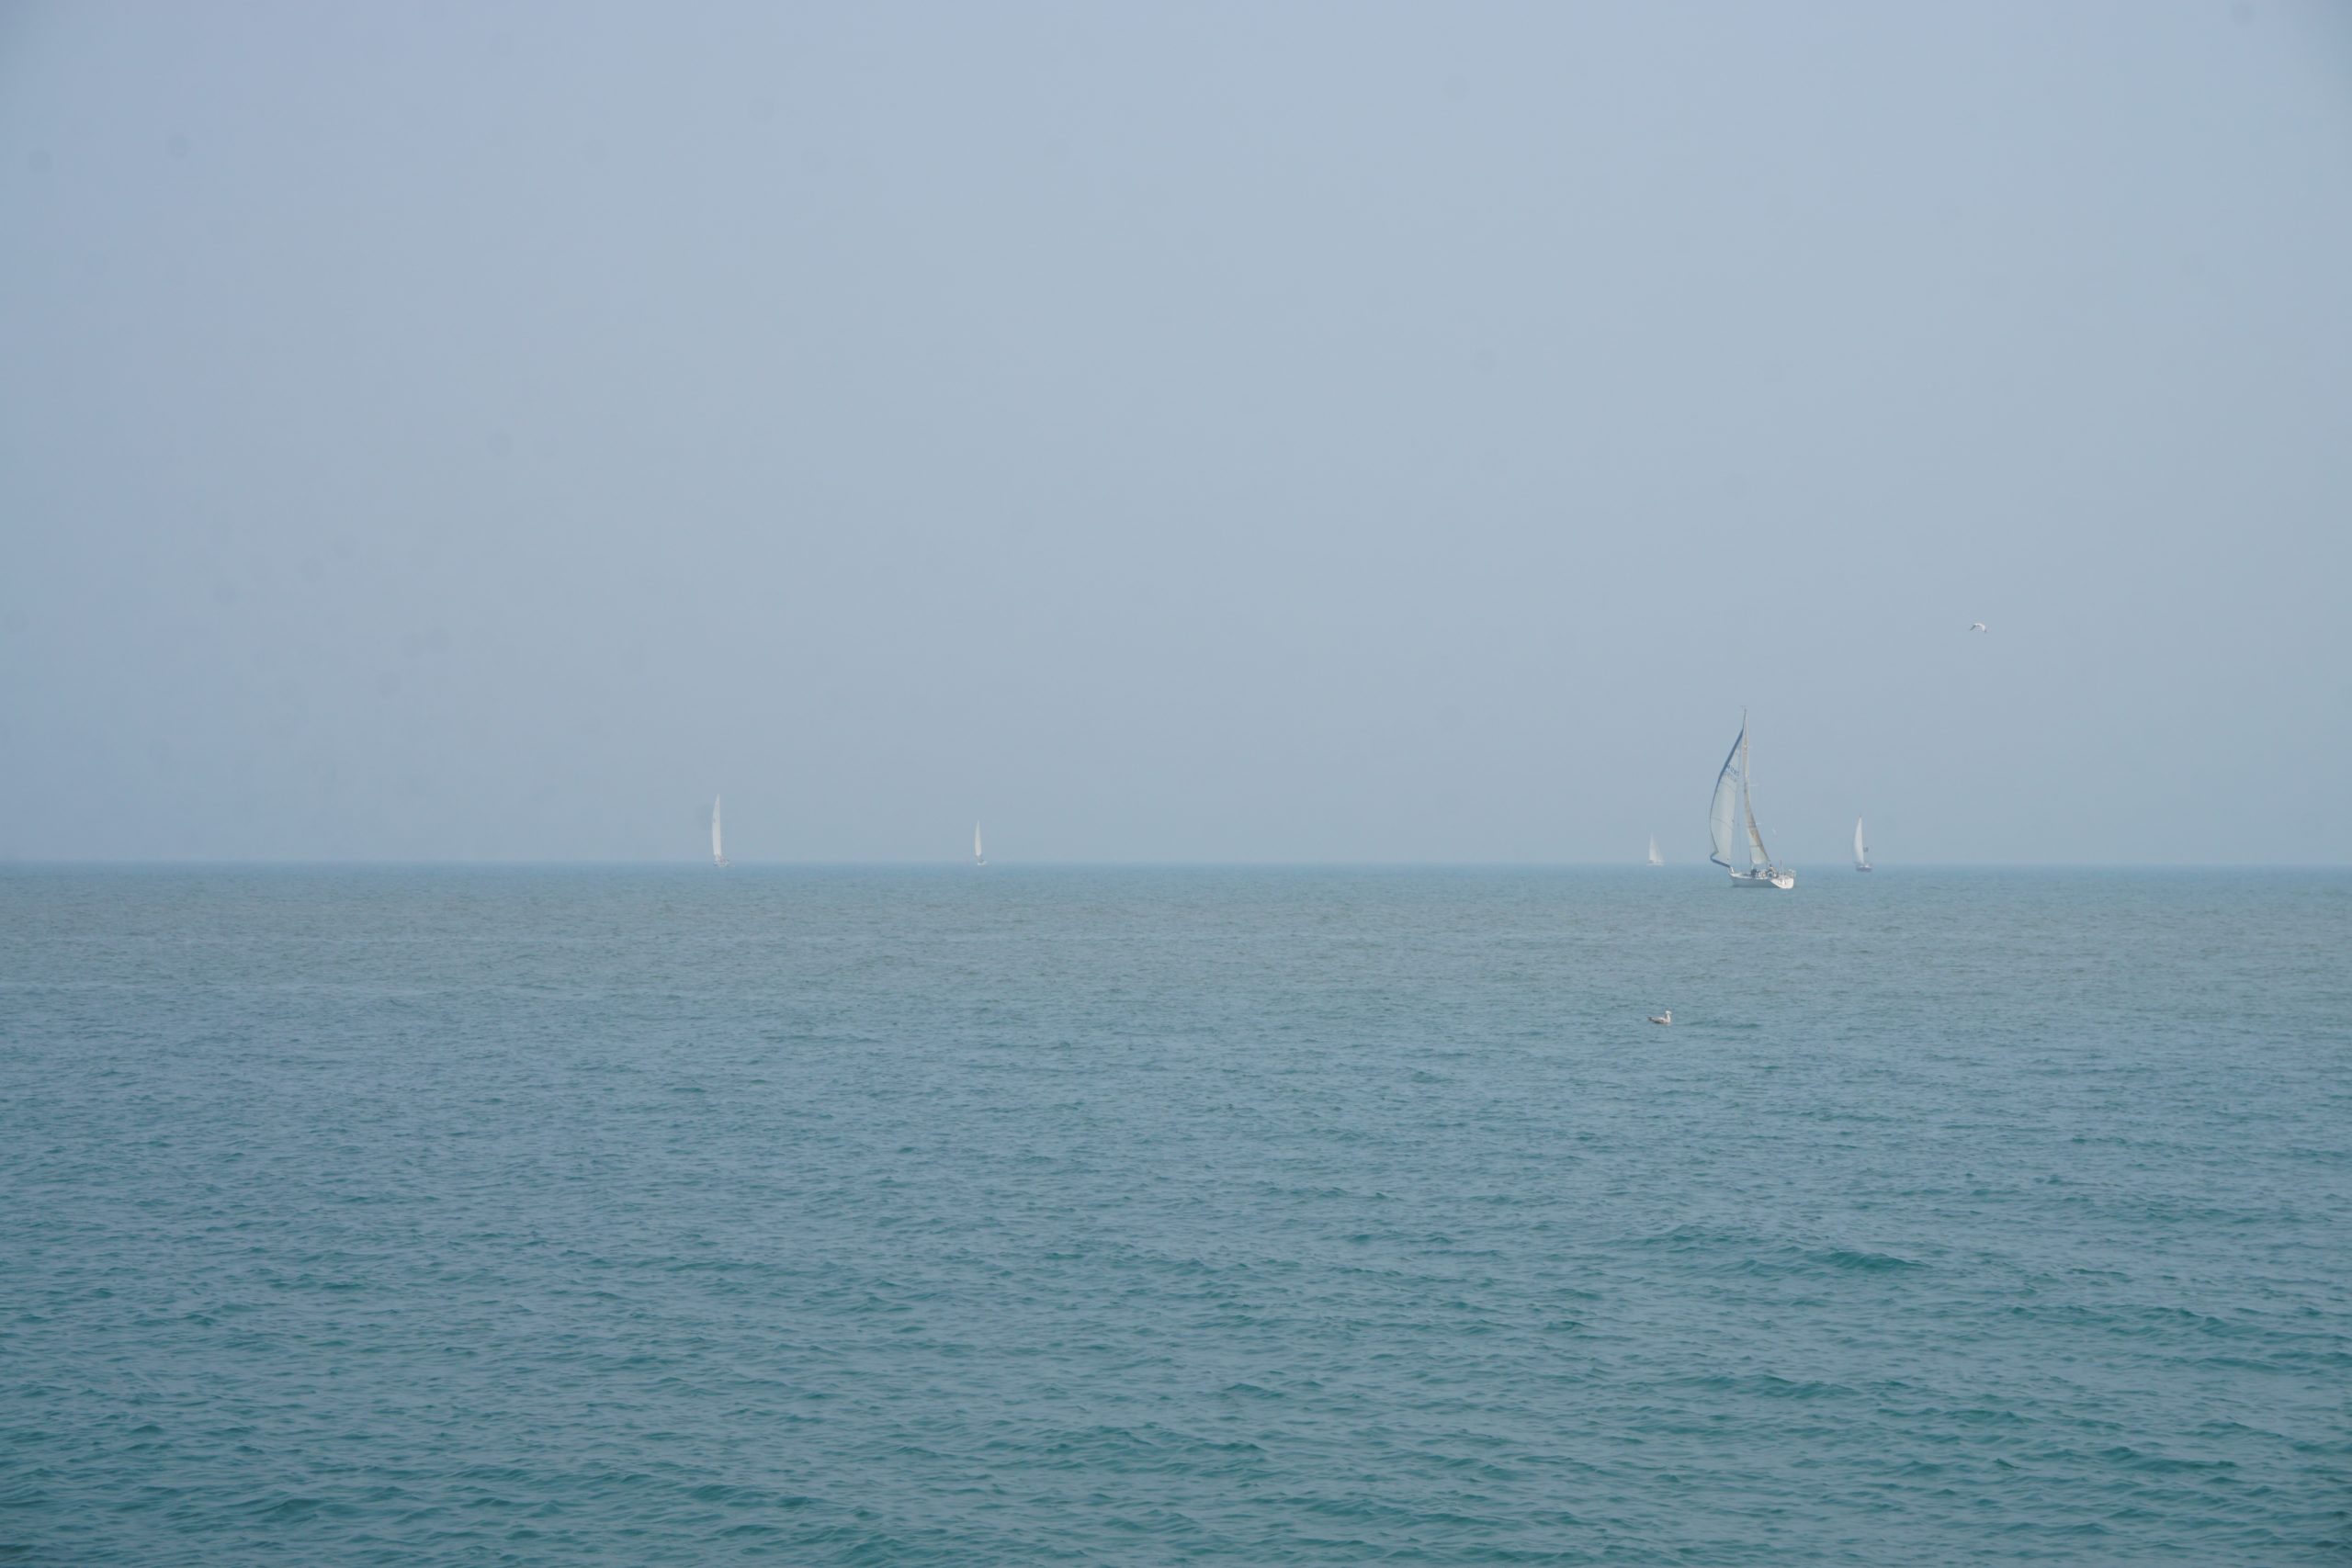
(1757, 854)
(1723, 812)
(978, 854)
(1861, 850)
(717, 854)
(1653, 857)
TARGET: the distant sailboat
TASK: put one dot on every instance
(1654, 856)
(1861, 850)
(1733, 805)
(979, 855)
(717, 854)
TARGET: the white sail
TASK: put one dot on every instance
(979, 855)
(1723, 813)
(718, 853)
(1653, 857)
(1861, 850)
(1757, 854)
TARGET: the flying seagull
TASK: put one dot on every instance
(1976, 626)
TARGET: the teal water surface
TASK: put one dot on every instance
(1259, 1216)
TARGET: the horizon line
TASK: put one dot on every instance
(964, 863)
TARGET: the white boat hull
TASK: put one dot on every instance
(1783, 880)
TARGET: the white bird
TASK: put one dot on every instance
(1666, 1017)
(1976, 626)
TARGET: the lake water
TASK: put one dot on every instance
(1255, 1216)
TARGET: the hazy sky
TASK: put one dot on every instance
(1255, 432)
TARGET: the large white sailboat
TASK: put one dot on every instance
(1654, 856)
(1733, 807)
(1861, 848)
(979, 855)
(718, 853)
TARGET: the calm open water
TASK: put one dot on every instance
(662, 1217)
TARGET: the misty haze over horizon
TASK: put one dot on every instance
(1318, 435)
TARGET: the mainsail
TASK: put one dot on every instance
(1757, 854)
(1653, 857)
(1861, 850)
(979, 856)
(717, 854)
(1722, 814)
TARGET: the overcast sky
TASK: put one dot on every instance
(1320, 431)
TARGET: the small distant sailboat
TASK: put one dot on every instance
(979, 855)
(1861, 848)
(1735, 803)
(718, 853)
(1654, 855)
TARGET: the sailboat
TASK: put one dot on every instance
(1735, 803)
(979, 855)
(1654, 859)
(717, 854)
(1861, 850)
